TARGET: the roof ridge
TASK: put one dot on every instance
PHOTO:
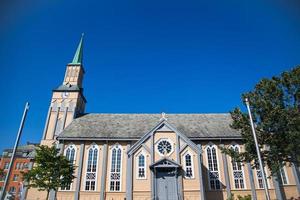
(157, 113)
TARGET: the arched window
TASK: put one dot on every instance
(237, 170)
(141, 166)
(91, 169)
(189, 172)
(70, 153)
(115, 171)
(213, 169)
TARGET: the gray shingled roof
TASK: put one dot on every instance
(26, 151)
(133, 126)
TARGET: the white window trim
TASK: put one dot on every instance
(74, 146)
(211, 145)
(121, 164)
(86, 167)
(167, 139)
(242, 166)
(74, 162)
(192, 162)
(268, 180)
(15, 175)
(137, 166)
(257, 182)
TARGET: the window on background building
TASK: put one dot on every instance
(25, 165)
(213, 169)
(283, 176)
(237, 170)
(115, 172)
(21, 166)
(70, 155)
(91, 169)
(2, 177)
(17, 167)
(12, 190)
(188, 166)
(15, 177)
(141, 166)
(6, 165)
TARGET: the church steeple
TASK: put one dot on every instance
(74, 72)
(77, 60)
(68, 100)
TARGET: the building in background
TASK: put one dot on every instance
(23, 162)
(149, 156)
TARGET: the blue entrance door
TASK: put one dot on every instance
(166, 185)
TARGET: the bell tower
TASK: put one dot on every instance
(68, 101)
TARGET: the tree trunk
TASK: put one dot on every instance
(47, 197)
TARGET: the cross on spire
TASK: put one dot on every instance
(163, 116)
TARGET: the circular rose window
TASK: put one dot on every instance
(164, 147)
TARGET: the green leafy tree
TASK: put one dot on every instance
(51, 170)
(275, 106)
(239, 197)
(247, 197)
(2, 172)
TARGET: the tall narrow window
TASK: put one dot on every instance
(141, 167)
(188, 166)
(15, 177)
(6, 165)
(237, 170)
(259, 179)
(91, 169)
(283, 176)
(70, 155)
(115, 172)
(3, 176)
(213, 171)
(17, 166)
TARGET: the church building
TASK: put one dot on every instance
(149, 156)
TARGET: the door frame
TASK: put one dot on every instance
(156, 171)
(167, 164)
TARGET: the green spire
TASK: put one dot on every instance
(78, 55)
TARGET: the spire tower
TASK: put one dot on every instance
(68, 101)
(74, 72)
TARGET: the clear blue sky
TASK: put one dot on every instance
(189, 56)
